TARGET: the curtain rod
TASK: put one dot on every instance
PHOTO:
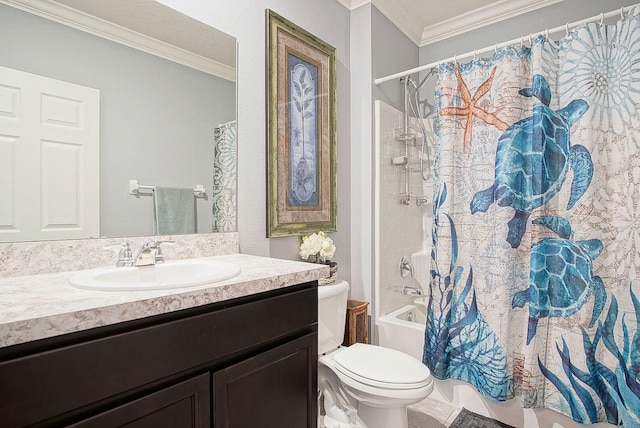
(497, 46)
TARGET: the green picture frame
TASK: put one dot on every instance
(301, 131)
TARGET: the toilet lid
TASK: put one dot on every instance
(376, 365)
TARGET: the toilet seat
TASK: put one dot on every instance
(380, 367)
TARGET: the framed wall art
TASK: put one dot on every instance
(301, 130)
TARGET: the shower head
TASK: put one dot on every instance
(408, 82)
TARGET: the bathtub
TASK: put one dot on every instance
(403, 329)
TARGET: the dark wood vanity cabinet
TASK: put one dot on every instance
(243, 363)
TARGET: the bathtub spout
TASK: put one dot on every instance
(411, 291)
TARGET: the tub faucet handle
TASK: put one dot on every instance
(406, 268)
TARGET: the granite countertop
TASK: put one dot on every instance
(39, 306)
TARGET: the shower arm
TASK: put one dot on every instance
(424, 150)
(407, 83)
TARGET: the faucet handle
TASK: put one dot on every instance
(158, 243)
(158, 257)
(125, 257)
(406, 268)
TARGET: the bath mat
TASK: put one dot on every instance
(467, 419)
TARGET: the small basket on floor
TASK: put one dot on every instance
(357, 323)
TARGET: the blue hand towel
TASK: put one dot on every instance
(175, 210)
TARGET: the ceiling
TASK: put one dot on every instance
(428, 21)
(423, 21)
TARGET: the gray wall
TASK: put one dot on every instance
(392, 52)
(157, 117)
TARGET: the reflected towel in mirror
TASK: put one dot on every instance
(175, 210)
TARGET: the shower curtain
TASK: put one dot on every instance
(536, 236)
(225, 178)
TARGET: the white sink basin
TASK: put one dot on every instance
(172, 274)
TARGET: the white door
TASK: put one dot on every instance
(49, 158)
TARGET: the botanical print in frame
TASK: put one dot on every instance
(301, 130)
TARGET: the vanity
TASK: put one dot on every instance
(237, 353)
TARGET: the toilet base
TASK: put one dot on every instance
(369, 417)
(382, 417)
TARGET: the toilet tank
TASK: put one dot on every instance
(332, 314)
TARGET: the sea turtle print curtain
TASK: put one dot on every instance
(535, 291)
(225, 178)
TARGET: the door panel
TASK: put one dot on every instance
(274, 389)
(50, 142)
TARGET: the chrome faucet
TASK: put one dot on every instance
(150, 254)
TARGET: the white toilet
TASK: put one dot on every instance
(362, 385)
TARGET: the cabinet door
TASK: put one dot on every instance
(274, 389)
(184, 405)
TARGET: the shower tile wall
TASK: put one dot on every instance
(404, 230)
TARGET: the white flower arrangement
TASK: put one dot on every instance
(317, 245)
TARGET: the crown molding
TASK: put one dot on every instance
(357, 3)
(487, 15)
(353, 4)
(401, 18)
(110, 31)
(491, 14)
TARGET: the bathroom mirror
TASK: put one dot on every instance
(166, 83)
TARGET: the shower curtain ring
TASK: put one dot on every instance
(602, 19)
(521, 42)
(546, 34)
(530, 40)
(566, 29)
(475, 55)
(622, 12)
(495, 48)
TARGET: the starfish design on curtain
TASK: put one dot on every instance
(472, 109)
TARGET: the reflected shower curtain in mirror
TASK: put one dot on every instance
(225, 178)
(535, 289)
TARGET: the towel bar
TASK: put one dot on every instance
(138, 189)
